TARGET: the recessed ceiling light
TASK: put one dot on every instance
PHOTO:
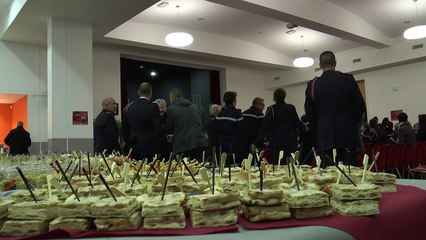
(153, 74)
(291, 31)
(163, 4)
(200, 19)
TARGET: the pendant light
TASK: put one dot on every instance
(416, 32)
(303, 62)
(178, 39)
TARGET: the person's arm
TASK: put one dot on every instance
(266, 127)
(309, 103)
(358, 103)
(402, 134)
(29, 140)
(8, 139)
(110, 129)
(296, 119)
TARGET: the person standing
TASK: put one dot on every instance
(251, 124)
(281, 123)
(165, 146)
(18, 140)
(184, 128)
(406, 131)
(141, 128)
(106, 129)
(335, 103)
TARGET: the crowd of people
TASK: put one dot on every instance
(333, 119)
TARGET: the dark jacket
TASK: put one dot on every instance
(141, 128)
(106, 133)
(184, 122)
(335, 103)
(251, 125)
(406, 133)
(18, 141)
(228, 126)
(211, 129)
(281, 122)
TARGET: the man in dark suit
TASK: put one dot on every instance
(251, 124)
(141, 128)
(18, 140)
(335, 103)
(405, 131)
(106, 129)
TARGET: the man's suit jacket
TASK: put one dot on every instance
(335, 103)
(106, 133)
(18, 140)
(141, 128)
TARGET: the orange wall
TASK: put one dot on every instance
(20, 112)
(5, 121)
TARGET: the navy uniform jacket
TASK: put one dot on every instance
(141, 128)
(335, 103)
(106, 133)
(228, 126)
(18, 140)
(251, 125)
(281, 122)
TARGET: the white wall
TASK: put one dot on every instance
(409, 79)
(23, 71)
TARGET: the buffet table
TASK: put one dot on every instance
(402, 216)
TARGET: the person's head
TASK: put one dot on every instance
(145, 90)
(416, 127)
(327, 60)
(215, 109)
(109, 105)
(230, 98)
(162, 105)
(175, 95)
(259, 103)
(373, 123)
(385, 122)
(19, 124)
(279, 95)
(402, 117)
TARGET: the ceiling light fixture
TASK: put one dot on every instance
(303, 62)
(415, 32)
(163, 4)
(153, 74)
(178, 39)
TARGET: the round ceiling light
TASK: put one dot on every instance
(416, 32)
(303, 62)
(179, 39)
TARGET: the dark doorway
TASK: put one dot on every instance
(201, 86)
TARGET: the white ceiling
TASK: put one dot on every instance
(10, 98)
(252, 30)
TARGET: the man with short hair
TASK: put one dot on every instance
(251, 124)
(184, 126)
(405, 131)
(334, 102)
(141, 128)
(106, 129)
(18, 140)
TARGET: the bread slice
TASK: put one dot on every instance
(267, 197)
(97, 190)
(3, 208)
(268, 183)
(232, 186)
(154, 206)
(43, 210)
(350, 192)
(25, 196)
(135, 190)
(108, 208)
(81, 224)
(306, 198)
(210, 202)
(213, 218)
(386, 187)
(24, 227)
(194, 188)
(165, 222)
(266, 213)
(381, 178)
(313, 212)
(356, 207)
(72, 208)
(132, 222)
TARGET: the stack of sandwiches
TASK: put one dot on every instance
(362, 200)
(308, 204)
(213, 210)
(264, 205)
(384, 181)
(111, 215)
(163, 214)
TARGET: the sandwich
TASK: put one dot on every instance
(43, 210)
(132, 222)
(24, 227)
(72, 208)
(80, 224)
(108, 208)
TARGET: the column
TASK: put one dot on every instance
(69, 86)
